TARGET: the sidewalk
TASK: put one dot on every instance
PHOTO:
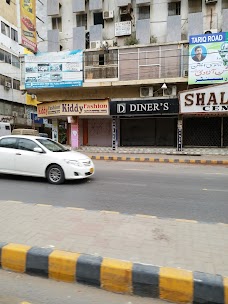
(182, 244)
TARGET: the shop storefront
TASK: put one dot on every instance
(86, 122)
(205, 116)
(146, 122)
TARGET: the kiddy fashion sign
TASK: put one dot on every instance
(208, 58)
(73, 108)
(207, 100)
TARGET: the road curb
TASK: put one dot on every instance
(161, 160)
(170, 284)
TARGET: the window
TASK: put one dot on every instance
(194, 6)
(98, 18)
(2, 55)
(57, 23)
(224, 4)
(174, 8)
(26, 144)
(15, 61)
(8, 2)
(5, 29)
(14, 35)
(8, 58)
(10, 142)
(144, 12)
(16, 84)
(81, 20)
(101, 59)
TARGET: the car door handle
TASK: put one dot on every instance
(18, 153)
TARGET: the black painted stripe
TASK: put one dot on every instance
(37, 261)
(208, 288)
(2, 244)
(88, 269)
(145, 280)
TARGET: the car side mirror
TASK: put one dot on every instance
(38, 150)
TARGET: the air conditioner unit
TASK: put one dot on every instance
(126, 10)
(108, 43)
(211, 31)
(108, 15)
(146, 92)
(95, 44)
(185, 73)
(210, 1)
(170, 91)
(14, 113)
(8, 85)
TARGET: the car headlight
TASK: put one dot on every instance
(73, 162)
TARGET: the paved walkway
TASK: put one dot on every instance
(164, 242)
(156, 150)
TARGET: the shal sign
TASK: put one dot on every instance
(208, 58)
(208, 100)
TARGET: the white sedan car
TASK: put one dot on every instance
(42, 157)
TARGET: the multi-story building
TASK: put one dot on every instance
(12, 101)
(136, 57)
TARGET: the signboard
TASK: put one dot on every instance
(54, 70)
(123, 28)
(144, 107)
(73, 108)
(35, 119)
(211, 99)
(208, 58)
(28, 24)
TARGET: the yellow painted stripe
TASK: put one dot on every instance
(76, 209)
(176, 285)
(123, 158)
(111, 212)
(171, 160)
(43, 205)
(62, 265)
(186, 221)
(146, 216)
(116, 275)
(203, 161)
(161, 160)
(225, 283)
(106, 157)
(181, 160)
(151, 159)
(115, 158)
(192, 161)
(97, 157)
(14, 257)
(142, 159)
(132, 158)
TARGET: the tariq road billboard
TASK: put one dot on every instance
(208, 58)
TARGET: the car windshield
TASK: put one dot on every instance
(52, 145)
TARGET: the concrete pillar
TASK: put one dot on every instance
(74, 133)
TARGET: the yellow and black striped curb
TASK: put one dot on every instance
(161, 160)
(170, 284)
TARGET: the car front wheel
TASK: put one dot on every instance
(55, 175)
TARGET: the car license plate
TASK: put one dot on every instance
(91, 170)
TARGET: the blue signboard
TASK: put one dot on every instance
(36, 119)
(54, 70)
(208, 58)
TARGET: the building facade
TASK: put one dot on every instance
(12, 102)
(136, 56)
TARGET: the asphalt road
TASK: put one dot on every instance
(166, 190)
(23, 289)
